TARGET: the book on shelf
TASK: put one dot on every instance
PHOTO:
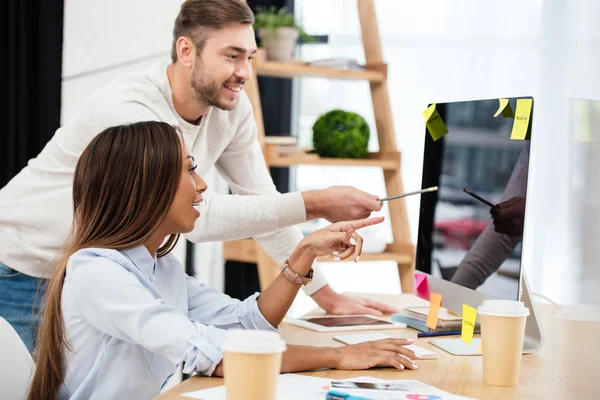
(338, 63)
(281, 140)
(295, 151)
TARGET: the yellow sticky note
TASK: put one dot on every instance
(480, 348)
(582, 122)
(434, 308)
(522, 119)
(435, 125)
(469, 317)
(505, 109)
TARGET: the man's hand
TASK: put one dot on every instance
(340, 203)
(509, 216)
(335, 303)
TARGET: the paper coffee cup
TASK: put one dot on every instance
(252, 362)
(502, 335)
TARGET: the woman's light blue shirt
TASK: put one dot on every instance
(130, 319)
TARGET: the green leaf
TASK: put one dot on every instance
(271, 18)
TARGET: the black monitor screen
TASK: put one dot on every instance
(475, 239)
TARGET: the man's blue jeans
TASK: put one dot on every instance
(20, 302)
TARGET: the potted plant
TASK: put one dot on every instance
(278, 32)
(341, 134)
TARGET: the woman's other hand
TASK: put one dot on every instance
(377, 353)
(219, 370)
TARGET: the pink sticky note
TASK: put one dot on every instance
(421, 287)
(419, 278)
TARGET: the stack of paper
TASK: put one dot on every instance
(281, 140)
(289, 387)
(415, 317)
(287, 146)
(446, 319)
(301, 387)
(416, 390)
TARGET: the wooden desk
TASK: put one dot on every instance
(567, 366)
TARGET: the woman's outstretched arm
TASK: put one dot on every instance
(379, 353)
(340, 237)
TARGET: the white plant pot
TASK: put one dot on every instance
(280, 44)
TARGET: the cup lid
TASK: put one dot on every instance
(253, 341)
(503, 308)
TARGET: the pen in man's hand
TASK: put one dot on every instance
(399, 196)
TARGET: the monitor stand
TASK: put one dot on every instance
(534, 338)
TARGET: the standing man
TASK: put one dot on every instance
(201, 91)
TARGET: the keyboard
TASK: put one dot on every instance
(421, 352)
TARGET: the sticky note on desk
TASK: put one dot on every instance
(505, 109)
(421, 286)
(469, 317)
(435, 301)
(520, 129)
(435, 125)
(582, 121)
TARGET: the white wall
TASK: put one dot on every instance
(100, 36)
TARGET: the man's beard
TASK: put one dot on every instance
(207, 92)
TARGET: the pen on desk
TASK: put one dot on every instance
(399, 196)
(478, 197)
(433, 334)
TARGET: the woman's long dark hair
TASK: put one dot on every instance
(123, 187)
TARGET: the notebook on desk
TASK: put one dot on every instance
(420, 325)
(446, 318)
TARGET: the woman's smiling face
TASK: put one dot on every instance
(183, 214)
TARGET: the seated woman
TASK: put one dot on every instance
(120, 312)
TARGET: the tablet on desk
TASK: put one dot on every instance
(334, 323)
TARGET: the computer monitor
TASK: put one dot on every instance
(470, 256)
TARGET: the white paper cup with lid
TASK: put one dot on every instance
(252, 362)
(502, 335)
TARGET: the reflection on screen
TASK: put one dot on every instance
(346, 321)
(461, 238)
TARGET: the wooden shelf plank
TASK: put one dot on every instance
(356, 162)
(245, 251)
(291, 70)
(386, 161)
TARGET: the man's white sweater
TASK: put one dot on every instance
(36, 206)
